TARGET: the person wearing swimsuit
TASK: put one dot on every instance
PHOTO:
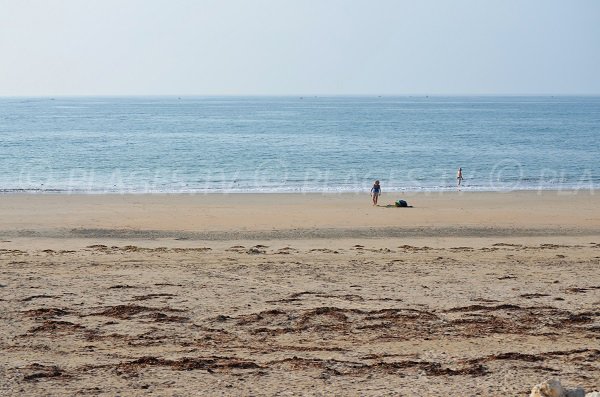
(375, 192)
(459, 177)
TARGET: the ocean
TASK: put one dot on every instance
(297, 144)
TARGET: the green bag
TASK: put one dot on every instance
(401, 203)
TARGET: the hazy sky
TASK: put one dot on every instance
(279, 47)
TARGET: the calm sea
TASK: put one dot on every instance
(297, 144)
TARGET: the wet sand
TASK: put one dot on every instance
(240, 214)
(185, 295)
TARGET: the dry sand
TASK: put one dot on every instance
(465, 294)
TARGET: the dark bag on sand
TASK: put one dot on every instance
(401, 203)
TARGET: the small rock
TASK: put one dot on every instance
(579, 392)
(553, 388)
(549, 388)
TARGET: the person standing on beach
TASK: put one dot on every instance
(375, 192)
(459, 176)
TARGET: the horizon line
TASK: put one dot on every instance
(438, 95)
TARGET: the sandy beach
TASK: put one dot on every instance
(465, 294)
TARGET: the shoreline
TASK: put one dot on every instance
(567, 190)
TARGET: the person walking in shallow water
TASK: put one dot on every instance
(375, 192)
(459, 177)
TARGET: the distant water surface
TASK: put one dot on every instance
(297, 144)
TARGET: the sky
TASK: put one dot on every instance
(299, 47)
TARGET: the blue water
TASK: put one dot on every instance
(293, 144)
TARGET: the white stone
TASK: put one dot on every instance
(549, 388)
(593, 394)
